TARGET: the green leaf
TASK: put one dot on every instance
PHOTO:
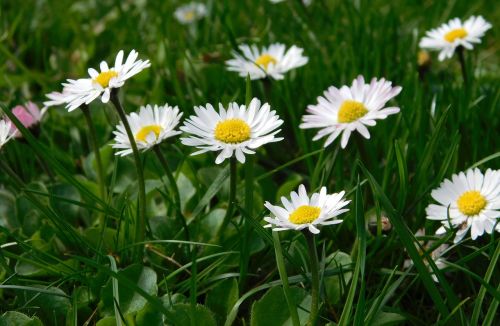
(290, 185)
(53, 304)
(186, 190)
(334, 285)
(130, 301)
(14, 318)
(271, 308)
(222, 298)
(387, 318)
(187, 315)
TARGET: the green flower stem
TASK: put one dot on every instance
(314, 268)
(170, 176)
(232, 194)
(175, 190)
(245, 254)
(461, 59)
(95, 146)
(141, 217)
(284, 279)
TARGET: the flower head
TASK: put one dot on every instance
(150, 127)
(471, 200)
(29, 115)
(344, 110)
(5, 132)
(305, 2)
(447, 37)
(190, 12)
(85, 90)
(306, 212)
(271, 61)
(437, 255)
(236, 131)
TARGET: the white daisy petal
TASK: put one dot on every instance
(6, 132)
(469, 203)
(191, 12)
(150, 127)
(304, 212)
(449, 36)
(349, 109)
(272, 62)
(236, 131)
(85, 90)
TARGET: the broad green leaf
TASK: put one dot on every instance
(186, 315)
(271, 308)
(222, 298)
(130, 301)
(387, 319)
(52, 307)
(335, 285)
(14, 318)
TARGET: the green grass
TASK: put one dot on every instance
(67, 253)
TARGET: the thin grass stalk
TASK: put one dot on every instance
(232, 194)
(175, 190)
(482, 292)
(92, 136)
(314, 268)
(170, 176)
(141, 216)
(284, 279)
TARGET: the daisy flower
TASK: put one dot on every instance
(453, 34)
(56, 99)
(436, 255)
(5, 132)
(272, 61)
(236, 131)
(305, 2)
(344, 110)
(306, 212)
(85, 90)
(190, 13)
(150, 127)
(471, 200)
(29, 115)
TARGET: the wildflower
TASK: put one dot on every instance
(469, 200)
(236, 131)
(5, 132)
(272, 61)
(436, 255)
(449, 36)
(190, 12)
(307, 212)
(348, 109)
(150, 127)
(29, 115)
(305, 2)
(85, 90)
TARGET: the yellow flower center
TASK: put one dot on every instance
(265, 59)
(189, 15)
(423, 58)
(146, 130)
(471, 203)
(232, 131)
(304, 214)
(452, 35)
(351, 111)
(104, 77)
